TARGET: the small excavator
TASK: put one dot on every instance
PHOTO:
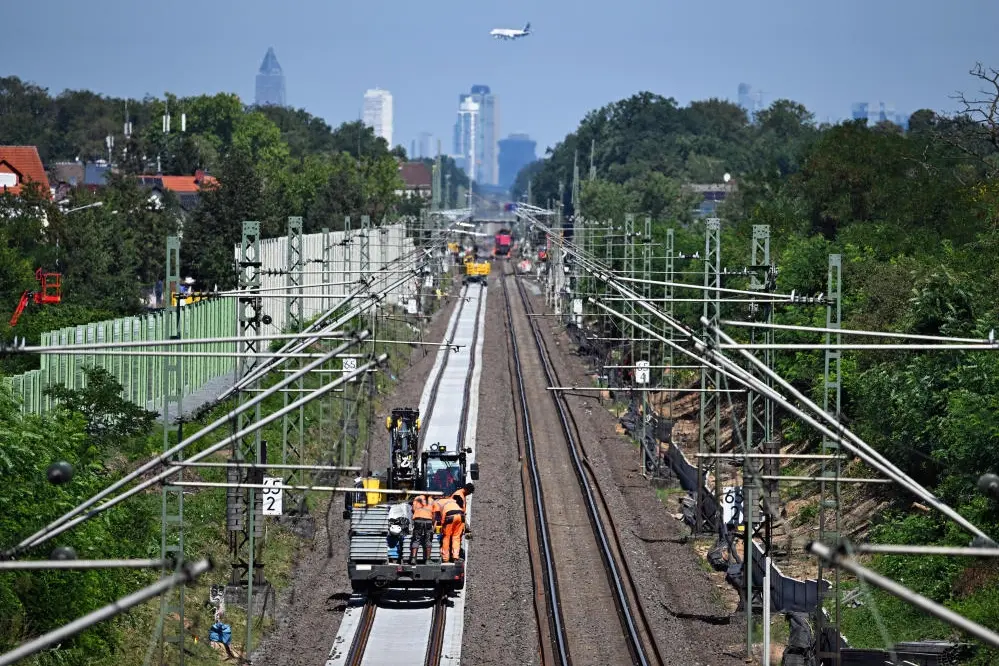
(50, 291)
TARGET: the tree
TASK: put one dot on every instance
(109, 418)
(358, 140)
(215, 227)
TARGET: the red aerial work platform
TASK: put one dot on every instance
(50, 291)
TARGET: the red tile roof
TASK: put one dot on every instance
(179, 184)
(416, 175)
(26, 165)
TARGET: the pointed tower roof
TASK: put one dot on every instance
(270, 64)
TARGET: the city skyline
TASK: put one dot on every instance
(823, 56)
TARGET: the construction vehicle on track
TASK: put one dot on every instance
(502, 243)
(434, 469)
(475, 270)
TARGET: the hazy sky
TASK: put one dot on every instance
(584, 53)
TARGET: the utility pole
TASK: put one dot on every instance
(172, 507)
(710, 382)
(668, 291)
(829, 491)
(653, 456)
(293, 424)
(244, 517)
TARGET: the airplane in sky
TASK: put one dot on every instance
(507, 33)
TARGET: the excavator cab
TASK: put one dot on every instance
(403, 425)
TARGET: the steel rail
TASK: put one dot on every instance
(463, 420)
(360, 643)
(618, 572)
(436, 643)
(447, 349)
(555, 617)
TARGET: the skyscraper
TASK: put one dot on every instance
(466, 132)
(378, 112)
(426, 148)
(487, 133)
(270, 81)
(488, 149)
(515, 152)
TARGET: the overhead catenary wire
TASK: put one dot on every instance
(172, 470)
(847, 331)
(850, 565)
(837, 430)
(365, 293)
(164, 458)
(187, 573)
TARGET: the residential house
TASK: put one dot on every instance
(68, 176)
(417, 180)
(20, 165)
(710, 196)
(187, 189)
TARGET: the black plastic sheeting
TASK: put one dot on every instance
(787, 595)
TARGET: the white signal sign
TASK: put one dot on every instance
(642, 372)
(411, 306)
(272, 497)
(349, 366)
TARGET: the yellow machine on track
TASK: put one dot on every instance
(475, 271)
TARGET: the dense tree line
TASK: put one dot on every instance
(915, 215)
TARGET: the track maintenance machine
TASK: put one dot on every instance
(502, 243)
(474, 270)
(434, 469)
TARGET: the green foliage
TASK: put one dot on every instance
(110, 418)
(33, 602)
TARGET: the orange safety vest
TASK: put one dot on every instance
(450, 510)
(460, 496)
(421, 509)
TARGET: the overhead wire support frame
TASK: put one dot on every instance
(70, 519)
(185, 574)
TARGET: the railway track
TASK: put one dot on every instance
(635, 626)
(359, 655)
(405, 627)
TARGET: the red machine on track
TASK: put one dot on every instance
(503, 243)
(50, 291)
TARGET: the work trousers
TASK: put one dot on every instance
(454, 527)
(423, 534)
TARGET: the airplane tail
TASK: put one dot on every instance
(527, 28)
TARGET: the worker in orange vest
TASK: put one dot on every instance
(423, 528)
(452, 521)
(461, 497)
